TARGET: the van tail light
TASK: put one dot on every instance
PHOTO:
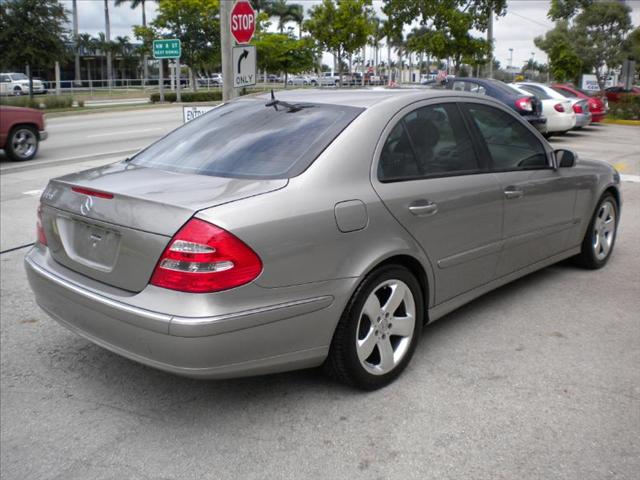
(558, 107)
(42, 238)
(202, 258)
(524, 104)
(577, 108)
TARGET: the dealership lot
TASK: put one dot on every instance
(538, 379)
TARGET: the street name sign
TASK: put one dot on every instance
(244, 66)
(171, 48)
(243, 21)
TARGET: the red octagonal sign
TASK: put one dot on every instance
(243, 22)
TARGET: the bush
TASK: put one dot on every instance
(46, 102)
(188, 97)
(627, 108)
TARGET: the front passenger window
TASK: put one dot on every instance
(511, 145)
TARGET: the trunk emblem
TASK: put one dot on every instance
(86, 206)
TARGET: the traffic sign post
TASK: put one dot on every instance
(244, 66)
(166, 49)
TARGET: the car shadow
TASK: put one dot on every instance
(156, 393)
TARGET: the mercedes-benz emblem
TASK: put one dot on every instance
(86, 206)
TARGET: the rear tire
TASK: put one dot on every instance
(22, 144)
(600, 238)
(379, 329)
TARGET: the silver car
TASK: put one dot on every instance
(316, 228)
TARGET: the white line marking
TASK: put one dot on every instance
(32, 193)
(630, 178)
(124, 132)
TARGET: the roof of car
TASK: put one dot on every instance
(361, 97)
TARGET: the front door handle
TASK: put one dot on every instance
(423, 208)
(512, 192)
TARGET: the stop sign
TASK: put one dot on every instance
(243, 21)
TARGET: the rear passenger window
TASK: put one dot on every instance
(511, 145)
(430, 141)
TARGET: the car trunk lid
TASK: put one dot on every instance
(112, 223)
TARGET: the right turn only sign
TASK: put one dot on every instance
(244, 66)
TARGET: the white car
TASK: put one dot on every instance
(18, 84)
(328, 79)
(302, 80)
(559, 111)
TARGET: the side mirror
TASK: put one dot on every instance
(565, 158)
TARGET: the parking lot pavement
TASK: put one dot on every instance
(617, 144)
(537, 380)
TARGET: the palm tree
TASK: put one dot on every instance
(285, 12)
(122, 47)
(375, 38)
(86, 44)
(134, 5)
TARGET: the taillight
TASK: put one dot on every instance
(204, 258)
(525, 104)
(558, 107)
(42, 238)
(577, 108)
(93, 193)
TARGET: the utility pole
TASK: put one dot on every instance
(107, 28)
(77, 80)
(490, 41)
(228, 92)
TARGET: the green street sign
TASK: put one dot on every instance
(167, 48)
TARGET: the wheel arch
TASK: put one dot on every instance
(23, 124)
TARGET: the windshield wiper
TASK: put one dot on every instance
(291, 107)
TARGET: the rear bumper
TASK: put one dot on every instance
(582, 120)
(560, 123)
(273, 338)
(43, 135)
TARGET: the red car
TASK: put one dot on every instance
(614, 94)
(21, 131)
(597, 106)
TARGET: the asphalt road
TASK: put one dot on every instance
(537, 380)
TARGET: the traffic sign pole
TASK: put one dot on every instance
(179, 75)
(228, 92)
(161, 80)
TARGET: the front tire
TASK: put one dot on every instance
(600, 238)
(379, 329)
(22, 144)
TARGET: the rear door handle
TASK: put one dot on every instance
(423, 208)
(512, 192)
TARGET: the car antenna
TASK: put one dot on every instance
(289, 106)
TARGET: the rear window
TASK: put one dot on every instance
(246, 139)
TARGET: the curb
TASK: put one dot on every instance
(613, 121)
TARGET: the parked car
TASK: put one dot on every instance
(18, 84)
(328, 79)
(21, 131)
(580, 106)
(529, 106)
(302, 80)
(213, 80)
(597, 106)
(614, 94)
(558, 111)
(230, 247)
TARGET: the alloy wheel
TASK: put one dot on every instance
(604, 230)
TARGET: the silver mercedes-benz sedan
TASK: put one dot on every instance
(313, 228)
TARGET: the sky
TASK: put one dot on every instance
(525, 20)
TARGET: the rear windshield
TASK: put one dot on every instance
(246, 139)
(503, 87)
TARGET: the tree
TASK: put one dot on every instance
(343, 28)
(632, 47)
(135, 4)
(447, 23)
(86, 44)
(109, 47)
(600, 31)
(559, 45)
(122, 48)
(566, 9)
(32, 33)
(197, 24)
(74, 9)
(278, 52)
(285, 12)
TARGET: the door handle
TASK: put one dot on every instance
(423, 208)
(512, 192)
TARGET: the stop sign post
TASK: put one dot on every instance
(243, 22)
